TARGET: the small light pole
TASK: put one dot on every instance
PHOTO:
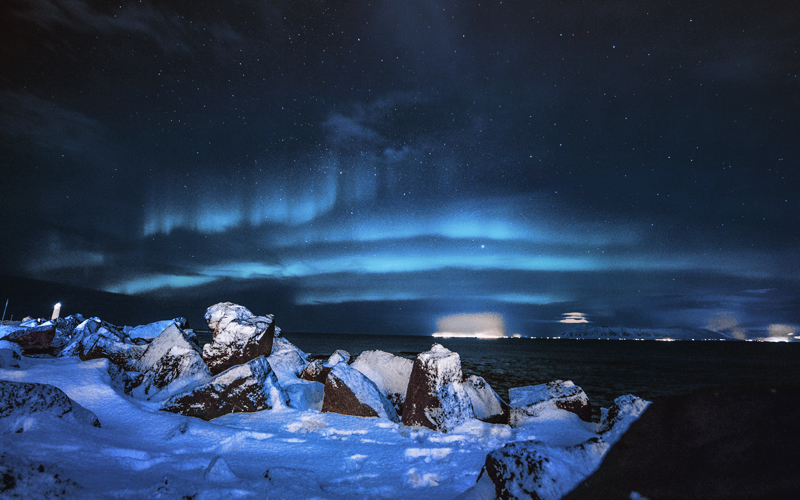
(4, 310)
(56, 311)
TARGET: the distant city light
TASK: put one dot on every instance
(477, 325)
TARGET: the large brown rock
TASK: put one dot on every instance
(349, 392)
(714, 444)
(35, 338)
(250, 387)
(239, 336)
(435, 397)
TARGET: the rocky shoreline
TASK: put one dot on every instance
(249, 367)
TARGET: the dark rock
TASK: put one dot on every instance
(250, 387)
(315, 371)
(239, 336)
(36, 338)
(532, 400)
(713, 444)
(349, 392)
(435, 397)
(19, 401)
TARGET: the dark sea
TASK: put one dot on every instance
(605, 369)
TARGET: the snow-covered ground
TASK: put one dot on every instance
(142, 452)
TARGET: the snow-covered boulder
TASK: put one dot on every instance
(615, 421)
(239, 336)
(287, 361)
(10, 355)
(315, 371)
(526, 470)
(171, 362)
(549, 470)
(532, 400)
(249, 387)
(23, 404)
(486, 404)
(435, 397)
(339, 356)
(94, 339)
(148, 332)
(389, 372)
(33, 338)
(349, 392)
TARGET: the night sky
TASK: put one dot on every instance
(371, 167)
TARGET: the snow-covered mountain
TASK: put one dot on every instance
(617, 333)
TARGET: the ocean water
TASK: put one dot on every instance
(605, 369)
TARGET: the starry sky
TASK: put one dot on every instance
(374, 166)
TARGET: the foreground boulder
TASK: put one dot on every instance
(171, 362)
(349, 392)
(390, 374)
(22, 404)
(532, 400)
(533, 469)
(239, 336)
(712, 445)
(94, 339)
(250, 387)
(435, 397)
(527, 470)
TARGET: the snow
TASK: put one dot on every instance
(340, 356)
(389, 372)
(142, 452)
(149, 331)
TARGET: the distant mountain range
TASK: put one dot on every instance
(617, 333)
